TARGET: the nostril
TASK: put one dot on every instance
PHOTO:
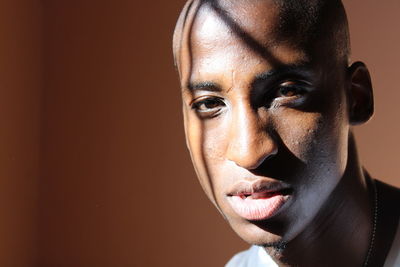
(261, 160)
(252, 158)
(270, 156)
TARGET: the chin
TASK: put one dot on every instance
(255, 234)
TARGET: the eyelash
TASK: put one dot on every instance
(285, 89)
(209, 111)
(218, 103)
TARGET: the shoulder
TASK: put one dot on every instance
(388, 223)
(255, 256)
(393, 259)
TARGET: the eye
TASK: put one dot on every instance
(290, 89)
(209, 106)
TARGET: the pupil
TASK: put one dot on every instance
(211, 104)
(287, 91)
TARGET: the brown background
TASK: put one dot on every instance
(94, 169)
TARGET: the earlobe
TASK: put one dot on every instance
(360, 94)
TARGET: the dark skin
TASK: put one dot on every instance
(257, 108)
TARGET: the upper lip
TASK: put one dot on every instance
(261, 185)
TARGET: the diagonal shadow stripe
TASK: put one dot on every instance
(244, 36)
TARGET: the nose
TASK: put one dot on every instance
(249, 142)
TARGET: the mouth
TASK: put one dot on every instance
(259, 200)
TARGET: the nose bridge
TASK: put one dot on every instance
(249, 143)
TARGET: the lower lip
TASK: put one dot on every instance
(257, 209)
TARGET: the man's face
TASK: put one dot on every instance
(267, 131)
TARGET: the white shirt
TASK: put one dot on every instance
(256, 256)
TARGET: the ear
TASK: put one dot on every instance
(360, 95)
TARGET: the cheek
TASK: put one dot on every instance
(206, 149)
(314, 137)
(299, 132)
(214, 147)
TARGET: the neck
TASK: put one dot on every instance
(340, 234)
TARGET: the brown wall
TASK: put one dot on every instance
(375, 39)
(20, 108)
(117, 187)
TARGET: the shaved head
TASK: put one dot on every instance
(317, 22)
(302, 24)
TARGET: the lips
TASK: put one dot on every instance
(258, 200)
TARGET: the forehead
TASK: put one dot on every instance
(257, 18)
(236, 31)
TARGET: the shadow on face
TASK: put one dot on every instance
(258, 105)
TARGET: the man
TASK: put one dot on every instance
(269, 99)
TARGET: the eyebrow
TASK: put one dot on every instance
(204, 86)
(296, 71)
